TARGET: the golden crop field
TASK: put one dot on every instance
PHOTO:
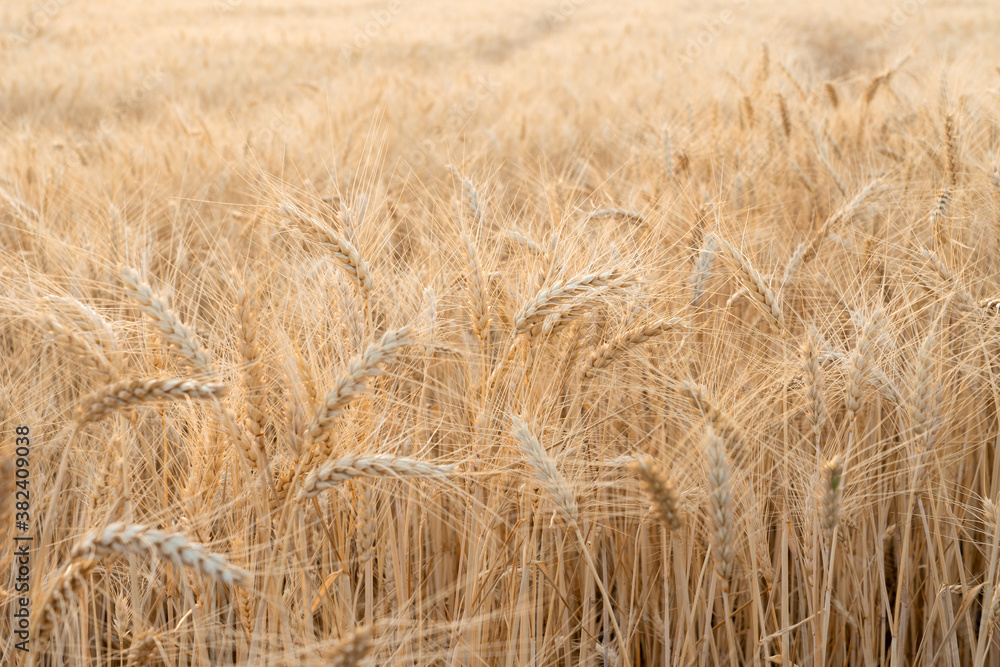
(572, 332)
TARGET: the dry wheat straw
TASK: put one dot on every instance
(124, 539)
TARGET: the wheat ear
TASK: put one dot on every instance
(660, 493)
(172, 331)
(343, 251)
(720, 496)
(562, 494)
(133, 393)
(755, 286)
(61, 596)
(962, 297)
(549, 300)
(479, 307)
(830, 496)
(334, 473)
(813, 362)
(348, 388)
(546, 472)
(605, 355)
(806, 251)
(621, 213)
(253, 368)
(351, 650)
(702, 270)
(720, 421)
(86, 332)
(124, 539)
(859, 364)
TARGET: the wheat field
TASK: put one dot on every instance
(575, 333)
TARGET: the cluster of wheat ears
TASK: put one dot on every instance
(733, 401)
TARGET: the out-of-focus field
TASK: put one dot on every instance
(514, 333)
